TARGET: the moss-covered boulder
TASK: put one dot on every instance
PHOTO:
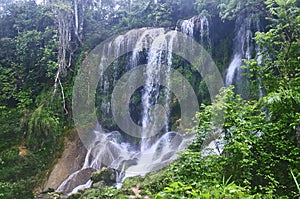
(105, 175)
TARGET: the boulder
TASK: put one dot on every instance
(105, 175)
(72, 160)
(80, 178)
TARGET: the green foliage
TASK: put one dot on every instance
(255, 160)
(103, 192)
(105, 175)
(43, 127)
(28, 62)
(229, 9)
(191, 165)
(178, 190)
(218, 191)
(9, 126)
(207, 7)
(280, 54)
(279, 75)
(14, 190)
(150, 184)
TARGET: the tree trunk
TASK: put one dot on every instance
(77, 27)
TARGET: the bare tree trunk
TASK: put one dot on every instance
(77, 27)
(82, 21)
(64, 23)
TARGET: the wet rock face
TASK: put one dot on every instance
(80, 178)
(72, 160)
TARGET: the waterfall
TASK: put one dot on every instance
(187, 26)
(114, 149)
(106, 148)
(197, 27)
(204, 30)
(156, 57)
(169, 64)
(243, 42)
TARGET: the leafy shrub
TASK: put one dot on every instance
(43, 128)
(20, 189)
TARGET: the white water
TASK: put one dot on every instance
(110, 149)
(159, 155)
(67, 182)
(121, 155)
(204, 29)
(233, 67)
(187, 26)
(151, 93)
(88, 184)
(242, 47)
(197, 25)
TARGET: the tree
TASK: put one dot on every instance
(229, 8)
(279, 74)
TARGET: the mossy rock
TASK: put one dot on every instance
(105, 175)
(98, 184)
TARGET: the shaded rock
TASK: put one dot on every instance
(98, 184)
(49, 190)
(72, 160)
(105, 175)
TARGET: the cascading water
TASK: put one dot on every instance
(107, 148)
(187, 26)
(112, 149)
(156, 57)
(197, 26)
(243, 43)
(204, 31)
